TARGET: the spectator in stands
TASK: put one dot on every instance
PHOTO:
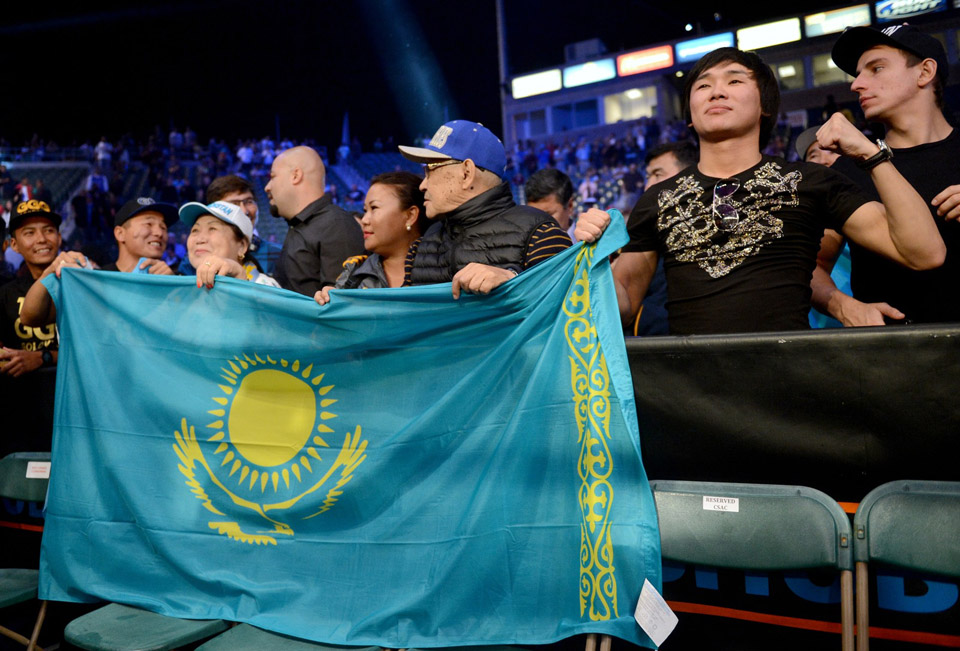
(6, 183)
(355, 194)
(551, 191)
(393, 218)
(140, 228)
(322, 235)
(481, 238)
(23, 190)
(740, 231)
(219, 243)
(103, 153)
(809, 150)
(41, 192)
(35, 235)
(97, 182)
(900, 75)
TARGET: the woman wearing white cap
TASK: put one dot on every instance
(219, 243)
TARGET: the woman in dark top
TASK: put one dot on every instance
(393, 219)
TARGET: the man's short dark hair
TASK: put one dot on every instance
(547, 181)
(224, 185)
(762, 74)
(686, 153)
(914, 60)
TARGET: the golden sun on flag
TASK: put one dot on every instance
(267, 421)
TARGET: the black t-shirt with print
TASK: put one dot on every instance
(14, 334)
(754, 276)
(931, 296)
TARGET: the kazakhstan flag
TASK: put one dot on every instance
(396, 468)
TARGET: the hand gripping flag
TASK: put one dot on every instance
(396, 468)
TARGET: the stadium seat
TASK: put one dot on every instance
(116, 627)
(249, 638)
(20, 585)
(757, 527)
(906, 524)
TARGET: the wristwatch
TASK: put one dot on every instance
(47, 358)
(883, 155)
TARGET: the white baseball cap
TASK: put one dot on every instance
(190, 212)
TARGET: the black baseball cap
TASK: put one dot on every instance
(145, 204)
(32, 208)
(856, 40)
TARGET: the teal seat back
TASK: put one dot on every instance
(911, 524)
(773, 528)
(14, 483)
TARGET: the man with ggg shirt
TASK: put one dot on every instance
(35, 234)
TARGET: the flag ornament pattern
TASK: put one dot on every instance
(590, 381)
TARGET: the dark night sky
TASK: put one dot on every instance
(231, 68)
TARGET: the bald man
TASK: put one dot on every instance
(321, 236)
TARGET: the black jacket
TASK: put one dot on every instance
(320, 238)
(489, 229)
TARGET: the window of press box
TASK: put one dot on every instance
(631, 104)
(790, 74)
(825, 71)
(531, 124)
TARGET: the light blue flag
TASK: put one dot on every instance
(396, 468)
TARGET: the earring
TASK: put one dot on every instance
(408, 227)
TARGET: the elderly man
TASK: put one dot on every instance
(322, 235)
(481, 238)
(739, 231)
(900, 74)
(140, 228)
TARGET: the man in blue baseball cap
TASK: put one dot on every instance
(481, 238)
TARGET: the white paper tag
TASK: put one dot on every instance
(654, 615)
(726, 504)
(38, 470)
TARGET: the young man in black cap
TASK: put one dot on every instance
(141, 233)
(35, 233)
(900, 74)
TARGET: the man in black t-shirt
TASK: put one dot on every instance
(900, 75)
(739, 232)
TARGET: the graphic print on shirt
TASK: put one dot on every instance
(685, 216)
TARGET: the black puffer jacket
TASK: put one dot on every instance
(489, 229)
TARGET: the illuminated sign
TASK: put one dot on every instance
(634, 63)
(692, 50)
(769, 34)
(831, 22)
(888, 10)
(589, 73)
(536, 84)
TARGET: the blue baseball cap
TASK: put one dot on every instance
(460, 140)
